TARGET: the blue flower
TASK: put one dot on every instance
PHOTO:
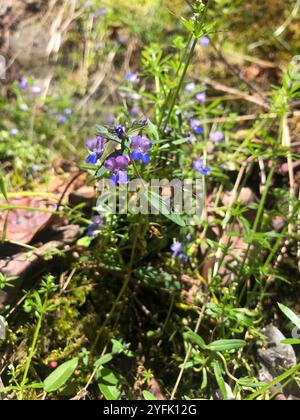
(14, 132)
(61, 118)
(205, 41)
(24, 107)
(22, 83)
(196, 126)
(132, 77)
(93, 228)
(217, 136)
(190, 87)
(198, 165)
(36, 90)
(140, 148)
(178, 251)
(117, 166)
(201, 97)
(96, 147)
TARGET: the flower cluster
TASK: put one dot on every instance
(117, 163)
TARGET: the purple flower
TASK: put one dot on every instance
(134, 96)
(134, 111)
(111, 119)
(198, 165)
(36, 90)
(68, 111)
(201, 97)
(117, 165)
(140, 148)
(196, 126)
(96, 146)
(190, 87)
(101, 12)
(34, 168)
(14, 132)
(178, 251)
(22, 83)
(120, 131)
(95, 225)
(132, 77)
(61, 118)
(217, 136)
(205, 41)
(24, 107)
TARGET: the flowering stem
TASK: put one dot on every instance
(177, 91)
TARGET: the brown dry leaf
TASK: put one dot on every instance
(23, 225)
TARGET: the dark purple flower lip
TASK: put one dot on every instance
(120, 131)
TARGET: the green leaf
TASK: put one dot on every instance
(153, 130)
(60, 376)
(148, 396)
(276, 381)
(3, 188)
(189, 25)
(103, 360)
(104, 132)
(291, 341)
(226, 345)
(85, 242)
(110, 392)
(160, 205)
(290, 315)
(194, 338)
(219, 379)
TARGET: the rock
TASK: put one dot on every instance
(23, 263)
(276, 358)
(85, 194)
(29, 43)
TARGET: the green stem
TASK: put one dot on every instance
(255, 227)
(122, 291)
(177, 91)
(31, 353)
